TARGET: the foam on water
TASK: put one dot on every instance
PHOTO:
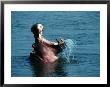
(68, 51)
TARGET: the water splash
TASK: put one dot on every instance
(68, 51)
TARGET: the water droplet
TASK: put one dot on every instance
(68, 51)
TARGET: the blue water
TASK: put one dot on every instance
(82, 27)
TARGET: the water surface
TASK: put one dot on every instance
(83, 27)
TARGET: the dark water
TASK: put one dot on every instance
(83, 27)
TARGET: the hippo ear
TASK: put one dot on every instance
(33, 28)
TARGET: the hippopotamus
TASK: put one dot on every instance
(44, 50)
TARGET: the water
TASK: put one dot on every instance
(68, 52)
(81, 31)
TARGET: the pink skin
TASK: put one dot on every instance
(47, 51)
(45, 48)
